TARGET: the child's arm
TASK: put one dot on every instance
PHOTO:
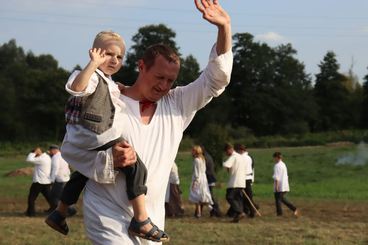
(98, 57)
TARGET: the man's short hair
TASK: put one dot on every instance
(53, 147)
(277, 154)
(155, 50)
(105, 36)
(228, 146)
(239, 147)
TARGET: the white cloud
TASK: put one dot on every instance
(271, 37)
(365, 29)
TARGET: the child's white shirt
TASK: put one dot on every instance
(85, 138)
(280, 174)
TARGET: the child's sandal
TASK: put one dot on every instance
(155, 234)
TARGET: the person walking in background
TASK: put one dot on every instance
(235, 165)
(60, 175)
(199, 190)
(174, 205)
(281, 185)
(41, 179)
(248, 208)
(211, 179)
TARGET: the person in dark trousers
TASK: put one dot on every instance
(235, 165)
(281, 185)
(248, 207)
(211, 178)
(60, 175)
(41, 182)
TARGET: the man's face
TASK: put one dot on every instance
(158, 79)
(229, 151)
(53, 151)
(114, 53)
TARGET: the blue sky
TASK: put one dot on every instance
(65, 29)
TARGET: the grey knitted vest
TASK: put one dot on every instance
(97, 112)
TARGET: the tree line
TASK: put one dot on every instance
(270, 92)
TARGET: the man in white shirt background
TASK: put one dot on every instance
(281, 185)
(235, 165)
(41, 179)
(248, 207)
(60, 174)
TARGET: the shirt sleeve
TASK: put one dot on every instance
(33, 159)
(211, 83)
(276, 173)
(91, 87)
(96, 165)
(54, 168)
(229, 162)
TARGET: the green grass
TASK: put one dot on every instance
(333, 201)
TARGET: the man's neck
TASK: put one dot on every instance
(133, 92)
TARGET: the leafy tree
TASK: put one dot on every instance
(268, 88)
(33, 98)
(332, 95)
(214, 137)
(189, 71)
(364, 115)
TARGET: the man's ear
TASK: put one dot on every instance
(140, 65)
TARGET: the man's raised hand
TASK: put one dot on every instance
(213, 12)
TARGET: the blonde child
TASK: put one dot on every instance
(93, 116)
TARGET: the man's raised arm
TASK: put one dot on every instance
(215, 14)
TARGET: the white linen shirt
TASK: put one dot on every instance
(107, 210)
(42, 167)
(60, 171)
(248, 166)
(280, 174)
(83, 137)
(174, 175)
(236, 165)
(173, 179)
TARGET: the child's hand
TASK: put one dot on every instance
(97, 56)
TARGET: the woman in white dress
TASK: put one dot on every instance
(199, 191)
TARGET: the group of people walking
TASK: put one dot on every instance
(239, 193)
(240, 167)
(51, 173)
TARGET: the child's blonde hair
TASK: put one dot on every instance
(105, 36)
(198, 152)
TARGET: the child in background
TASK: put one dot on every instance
(281, 185)
(92, 124)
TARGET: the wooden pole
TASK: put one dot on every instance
(251, 203)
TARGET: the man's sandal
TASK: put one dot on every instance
(155, 234)
(57, 222)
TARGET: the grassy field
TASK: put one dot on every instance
(333, 201)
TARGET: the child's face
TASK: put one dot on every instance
(115, 54)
